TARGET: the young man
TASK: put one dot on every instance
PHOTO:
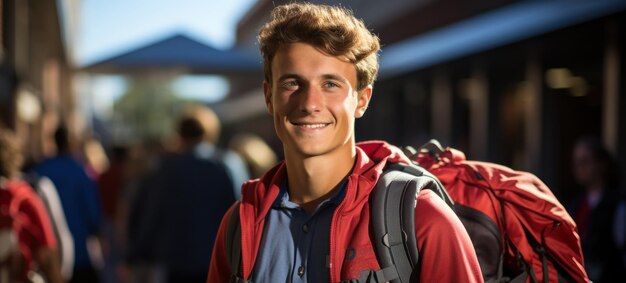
(307, 219)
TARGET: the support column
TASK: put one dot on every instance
(610, 103)
(534, 116)
(477, 94)
(442, 108)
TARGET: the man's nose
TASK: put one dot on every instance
(311, 100)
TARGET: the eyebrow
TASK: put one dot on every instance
(335, 77)
(288, 76)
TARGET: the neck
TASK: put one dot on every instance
(314, 179)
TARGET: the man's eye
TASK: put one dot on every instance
(290, 84)
(330, 84)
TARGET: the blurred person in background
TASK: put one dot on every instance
(185, 198)
(258, 156)
(600, 211)
(81, 204)
(48, 194)
(46, 190)
(95, 158)
(27, 241)
(139, 263)
(112, 182)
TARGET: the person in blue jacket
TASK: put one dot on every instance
(80, 201)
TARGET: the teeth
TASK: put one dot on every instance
(313, 126)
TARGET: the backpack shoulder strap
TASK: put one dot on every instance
(393, 214)
(391, 196)
(426, 180)
(233, 245)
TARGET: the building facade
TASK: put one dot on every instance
(35, 72)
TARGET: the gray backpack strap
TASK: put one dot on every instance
(393, 220)
(392, 209)
(233, 246)
(393, 194)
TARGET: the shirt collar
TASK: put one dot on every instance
(282, 200)
(203, 150)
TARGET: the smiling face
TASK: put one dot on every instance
(313, 100)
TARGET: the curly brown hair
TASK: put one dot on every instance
(11, 158)
(332, 30)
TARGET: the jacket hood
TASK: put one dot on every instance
(371, 159)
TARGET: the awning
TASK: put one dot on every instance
(179, 52)
(490, 30)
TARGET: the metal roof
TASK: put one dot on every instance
(178, 52)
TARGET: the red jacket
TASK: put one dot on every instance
(446, 252)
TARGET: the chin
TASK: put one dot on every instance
(311, 150)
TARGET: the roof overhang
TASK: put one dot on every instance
(178, 53)
(490, 30)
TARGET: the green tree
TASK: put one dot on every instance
(147, 110)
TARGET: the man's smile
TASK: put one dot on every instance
(310, 125)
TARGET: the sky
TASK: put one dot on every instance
(108, 27)
(111, 27)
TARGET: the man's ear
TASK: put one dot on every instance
(267, 92)
(363, 100)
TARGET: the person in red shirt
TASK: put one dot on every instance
(308, 218)
(27, 238)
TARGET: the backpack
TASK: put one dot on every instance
(520, 231)
(12, 261)
(393, 199)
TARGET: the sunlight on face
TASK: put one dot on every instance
(313, 100)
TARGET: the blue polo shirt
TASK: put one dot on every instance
(296, 245)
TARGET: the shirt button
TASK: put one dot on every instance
(301, 271)
(305, 228)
